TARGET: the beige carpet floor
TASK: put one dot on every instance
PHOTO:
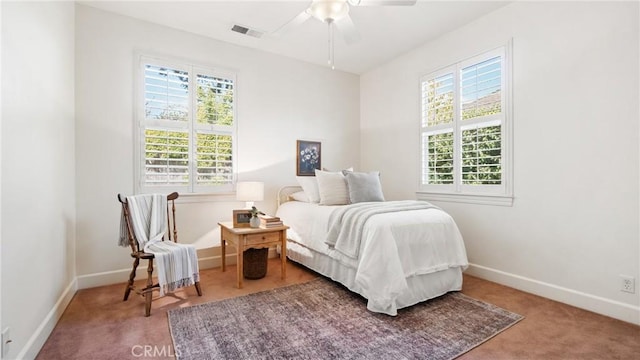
(97, 324)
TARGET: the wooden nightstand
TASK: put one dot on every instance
(256, 238)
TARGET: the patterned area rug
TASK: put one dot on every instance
(323, 320)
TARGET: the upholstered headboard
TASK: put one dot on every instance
(285, 191)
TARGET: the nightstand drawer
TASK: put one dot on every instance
(262, 238)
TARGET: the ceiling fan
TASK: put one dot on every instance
(336, 14)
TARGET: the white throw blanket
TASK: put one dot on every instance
(177, 264)
(346, 224)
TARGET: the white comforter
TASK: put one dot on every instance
(394, 247)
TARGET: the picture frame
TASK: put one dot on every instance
(308, 157)
(241, 218)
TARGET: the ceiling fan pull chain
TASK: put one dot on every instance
(333, 64)
(329, 42)
(331, 59)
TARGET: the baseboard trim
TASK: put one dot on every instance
(40, 336)
(121, 275)
(600, 305)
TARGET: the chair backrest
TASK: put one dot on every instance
(172, 232)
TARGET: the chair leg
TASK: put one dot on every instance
(131, 277)
(147, 303)
(198, 289)
(149, 289)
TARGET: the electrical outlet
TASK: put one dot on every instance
(628, 284)
(6, 340)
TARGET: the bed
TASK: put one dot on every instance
(401, 258)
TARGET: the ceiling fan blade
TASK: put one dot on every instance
(382, 2)
(348, 30)
(295, 22)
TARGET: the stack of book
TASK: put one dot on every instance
(268, 221)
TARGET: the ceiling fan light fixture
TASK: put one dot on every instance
(329, 10)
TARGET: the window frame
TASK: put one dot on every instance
(141, 123)
(467, 193)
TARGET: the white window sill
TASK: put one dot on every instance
(186, 198)
(496, 200)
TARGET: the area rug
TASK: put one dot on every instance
(323, 320)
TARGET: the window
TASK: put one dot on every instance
(187, 128)
(464, 128)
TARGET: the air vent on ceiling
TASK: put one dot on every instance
(246, 31)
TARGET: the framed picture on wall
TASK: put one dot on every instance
(308, 157)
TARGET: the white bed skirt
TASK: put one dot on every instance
(421, 287)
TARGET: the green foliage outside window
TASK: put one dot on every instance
(438, 101)
(440, 158)
(215, 101)
(214, 159)
(481, 156)
(166, 156)
(481, 147)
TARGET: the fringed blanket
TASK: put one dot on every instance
(177, 264)
(346, 223)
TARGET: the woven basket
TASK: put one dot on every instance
(255, 263)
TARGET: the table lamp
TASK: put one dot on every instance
(249, 191)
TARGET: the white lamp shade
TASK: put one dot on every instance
(250, 191)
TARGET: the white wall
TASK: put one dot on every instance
(573, 228)
(279, 100)
(38, 176)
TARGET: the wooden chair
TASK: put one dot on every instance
(138, 254)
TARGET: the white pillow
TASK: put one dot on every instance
(300, 196)
(332, 187)
(310, 186)
(364, 186)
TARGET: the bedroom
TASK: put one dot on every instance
(571, 231)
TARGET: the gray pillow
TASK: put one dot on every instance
(364, 186)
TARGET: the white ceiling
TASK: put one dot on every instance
(386, 31)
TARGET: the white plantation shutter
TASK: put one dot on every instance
(481, 114)
(482, 154)
(216, 109)
(166, 158)
(187, 128)
(463, 142)
(480, 88)
(214, 159)
(437, 100)
(438, 114)
(166, 93)
(437, 157)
